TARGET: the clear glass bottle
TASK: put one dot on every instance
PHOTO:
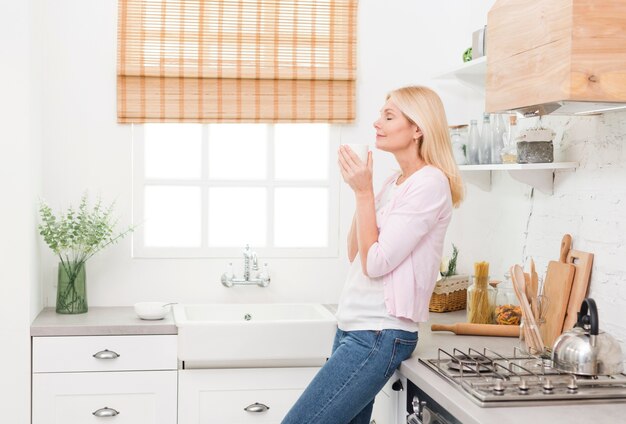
(498, 134)
(509, 152)
(473, 143)
(481, 298)
(459, 149)
(486, 140)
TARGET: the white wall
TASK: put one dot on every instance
(20, 176)
(395, 48)
(400, 42)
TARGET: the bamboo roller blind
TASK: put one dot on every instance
(236, 60)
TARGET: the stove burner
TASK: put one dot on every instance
(521, 379)
(471, 363)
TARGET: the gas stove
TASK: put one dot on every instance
(491, 379)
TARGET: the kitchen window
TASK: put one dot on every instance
(207, 190)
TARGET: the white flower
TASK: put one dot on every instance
(445, 263)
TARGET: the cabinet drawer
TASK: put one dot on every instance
(221, 396)
(140, 397)
(76, 353)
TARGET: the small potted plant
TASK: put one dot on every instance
(448, 265)
(75, 236)
(450, 293)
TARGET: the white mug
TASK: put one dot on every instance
(360, 150)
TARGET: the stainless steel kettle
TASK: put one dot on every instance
(585, 350)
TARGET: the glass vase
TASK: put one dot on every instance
(71, 288)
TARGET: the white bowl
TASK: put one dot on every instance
(151, 310)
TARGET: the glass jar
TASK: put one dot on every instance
(459, 148)
(507, 309)
(481, 300)
(509, 152)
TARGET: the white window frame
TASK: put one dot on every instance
(139, 250)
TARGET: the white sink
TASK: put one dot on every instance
(254, 335)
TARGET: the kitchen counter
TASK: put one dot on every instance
(99, 321)
(459, 405)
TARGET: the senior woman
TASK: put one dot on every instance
(394, 248)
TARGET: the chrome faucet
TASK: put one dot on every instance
(250, 262)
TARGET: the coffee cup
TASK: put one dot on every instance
(360, 150)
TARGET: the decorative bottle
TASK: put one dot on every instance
(486, 141)
(473, 143)
(497, 142)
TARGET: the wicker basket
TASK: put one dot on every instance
(450, 294)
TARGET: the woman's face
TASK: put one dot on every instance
(394, 131)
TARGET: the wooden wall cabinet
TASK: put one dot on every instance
(543, 52)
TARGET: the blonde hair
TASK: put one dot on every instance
(423, 107)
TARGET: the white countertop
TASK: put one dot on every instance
(459, 405)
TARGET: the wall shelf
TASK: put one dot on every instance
(537, 175)
(472, 73)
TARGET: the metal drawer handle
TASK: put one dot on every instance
(256, 407)
(106, 354)
(106, 412)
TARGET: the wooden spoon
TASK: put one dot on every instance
(533, 288)
(520, 290)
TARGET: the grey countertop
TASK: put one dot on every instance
(459, 405)
(123, 321)
(99, 321)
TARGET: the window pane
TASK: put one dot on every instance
(172, 216)
(238, 151)
(173, 151)
(301, 217)
(301, 151)
(237, 216)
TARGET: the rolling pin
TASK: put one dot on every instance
(479, 329)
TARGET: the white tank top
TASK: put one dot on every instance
(362, 302)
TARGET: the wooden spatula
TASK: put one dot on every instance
(532, 289)
(557, 287)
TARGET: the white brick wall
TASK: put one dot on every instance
(508, 225)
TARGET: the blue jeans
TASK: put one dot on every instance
(343, 391)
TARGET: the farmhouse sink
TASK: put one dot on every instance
(254, 335)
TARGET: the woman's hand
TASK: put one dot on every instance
(356, 173)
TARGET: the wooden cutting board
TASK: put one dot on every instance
(583, 261)
(557, 288)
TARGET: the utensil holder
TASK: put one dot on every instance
(530, 330)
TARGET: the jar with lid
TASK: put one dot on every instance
(509, 152)
(459, 148)
(507, 309)
(481, 297)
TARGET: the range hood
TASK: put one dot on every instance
(560, 57)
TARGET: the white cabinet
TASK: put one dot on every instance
(389, 405)
(82, 379)
(240, 396)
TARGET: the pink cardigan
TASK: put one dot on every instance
(412, 229)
